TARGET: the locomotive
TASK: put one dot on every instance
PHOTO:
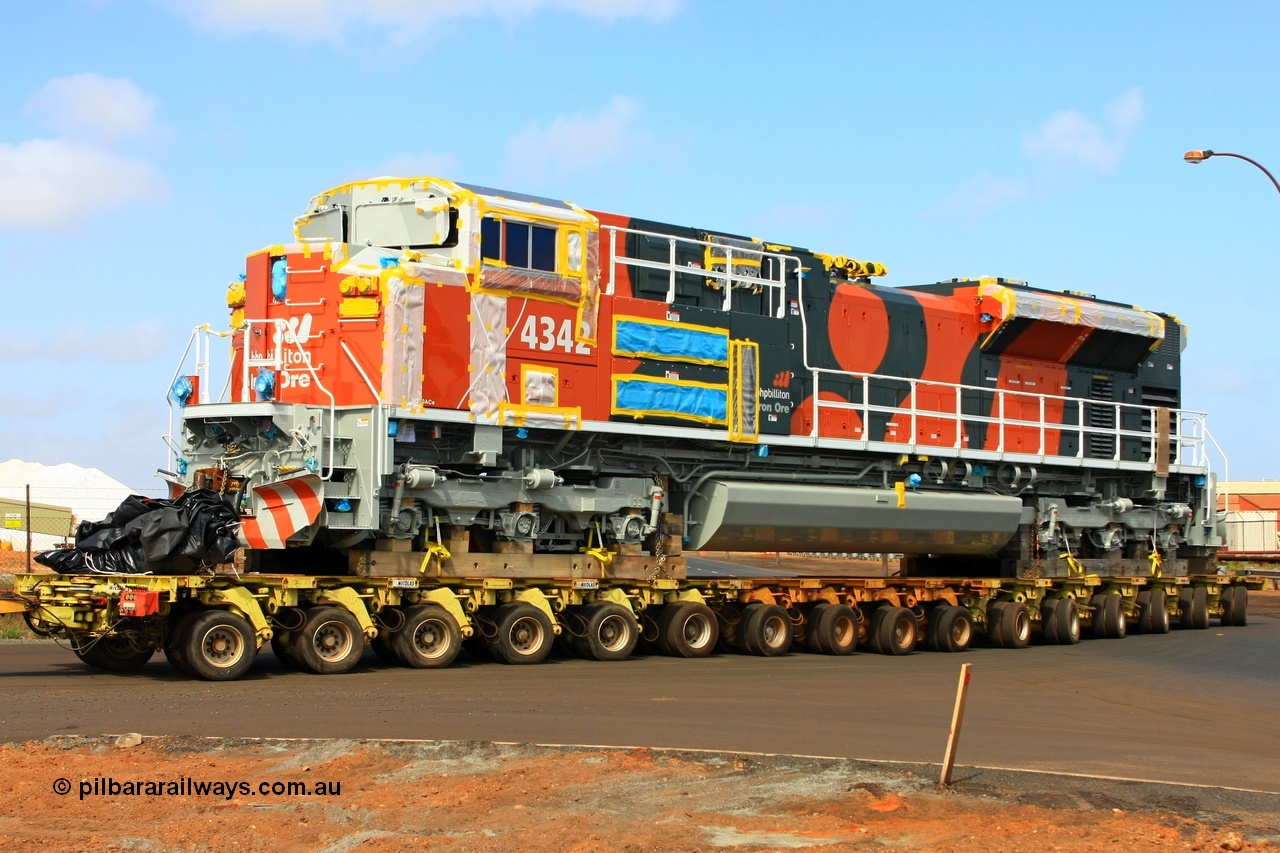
(433, 369)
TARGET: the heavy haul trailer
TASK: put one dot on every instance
(211, 626)
(492, 395)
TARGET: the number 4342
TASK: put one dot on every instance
(541, 333)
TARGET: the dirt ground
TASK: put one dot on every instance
(508, 798)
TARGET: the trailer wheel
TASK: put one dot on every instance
(1159, 612)
(114, 653)
(836, 628)
(950, 628)
(219, 645)
(729, 625)
(282, 648)
(1066, 617)
(1115, 622)
(766, 631)
(814, 640)
(1143, 625)
(524, 634)
(430, 638)
(1200, 608)
(688, 629)
(1098, 625)
(1235, 601)
(1015, 627)
(995, 623)
(897, 631)
(175, 642)
(611, 632)
(1049, 619)
(329, 642)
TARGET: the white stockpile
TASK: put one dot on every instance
(87, 492)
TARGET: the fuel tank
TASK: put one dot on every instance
(731, 515)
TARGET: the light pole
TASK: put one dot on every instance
(1200, 156)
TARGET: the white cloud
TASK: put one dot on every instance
(980, 196)
(575, 143)
(1070, 138)
(52, 182)
(307, 19)
(135, 344)
(93, 107)
(1064, 146)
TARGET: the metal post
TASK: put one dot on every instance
(28, 528)
(957, 717)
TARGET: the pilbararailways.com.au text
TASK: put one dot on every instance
(187, 787)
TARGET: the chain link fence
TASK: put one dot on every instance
(41, 518)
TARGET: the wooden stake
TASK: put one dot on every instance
(957, 717)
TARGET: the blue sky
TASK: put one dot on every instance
(147, 146)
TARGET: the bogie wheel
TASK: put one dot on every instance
(330, 641)
(898, 631)
(220, 645)
(1049, 619)
(524, 634)
(767, 631)
(429, 639)
(1114, 620)
(1226, 598)
(1199, 608)
(175, 641)
(836, 627)
(1143, 625)
(1159, 612)
(1016, 628)
(384, 647)
(995, 624)
(1067, 622)
(611, 632)
(114, 653)
(814, 640)
(1098, 626)
(282, 648)
(950, 629)
(874, 618)
(688, 629)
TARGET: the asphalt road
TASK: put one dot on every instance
(1197, 707)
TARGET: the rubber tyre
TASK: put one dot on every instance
(281, 647)
(1200, 608)
(1049, 620)
(1098, 625)
(729, 624)
(767, 631)
(836, 628)
(524, 634)
(219, 645)
(1143, 624)
(330, 641)
(429, 639)
(1185, 596)
(383, 647)
(174, 647)
(688, 629)
(995, 624)
(1240, 607)
(611, 632)
(1115, 622)
(874, 620)
(1067, 615)
(1159, 612)
(114, 654)
(898, 631)
(1015, 629)
(814, 640)
(951, 629)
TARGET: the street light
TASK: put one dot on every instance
(1200, 156)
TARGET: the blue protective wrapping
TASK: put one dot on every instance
(651, 397)
(653, 340)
